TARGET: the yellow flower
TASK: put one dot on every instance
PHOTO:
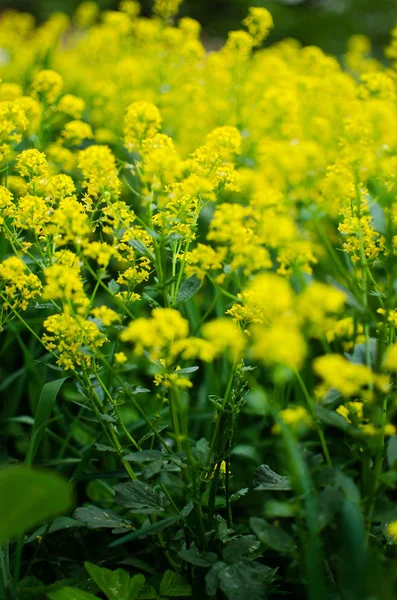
(225, 337)
(390, 362)
(32, 164)
(259, 23)
(142, 121)
(391, 530)
(157, 333)
(347, 377)
(296, 417)
(71, 105)
(17, 284)
(166, 8)
(47, 86)
(120, 358)
(106, 315)
(76, 132)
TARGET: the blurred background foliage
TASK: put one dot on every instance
(325, 23)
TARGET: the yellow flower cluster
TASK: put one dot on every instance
(137, 167)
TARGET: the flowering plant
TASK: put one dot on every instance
(198, 271)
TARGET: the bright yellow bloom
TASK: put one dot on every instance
(106, 315)
(338, 372)
(391, 530)
(17, 284)
(259, 23)
(47, 86)
(225, 337)
(32, 164)
(390, 362)
(71, 105)
(142, 121)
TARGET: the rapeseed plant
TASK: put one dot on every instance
(204, 245)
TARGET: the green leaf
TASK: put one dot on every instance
(240, 548)
(266, 479)
(391, 452)
(69, 593)
(173, 584)
(334, 419)
(200, 559)
(29, 497)
(43, 412)
(240, 580)
(188, 289)
(329, 501)
(352, 564)
(272, 536)
(58, 524)
(146, 530)
(144, 456)
(239, 494)
(96, 518)
(148, 592)
(116, 585)
(140, 497)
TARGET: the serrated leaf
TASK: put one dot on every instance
(273, 536)
(266, 479)
(97, 518)
(148, 592)
(188, 289)
(173, 584)
(140, 497)
(116, 585)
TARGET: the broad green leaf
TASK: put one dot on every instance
(272, 536)
(242, 547)
(200, 559)
(43, 412)
(29, 497)
(97, 518)
(188, 289)
(240, 580)
(140, 497)
(116, 585)
(266, 479)
(69, 593)
(173, 584)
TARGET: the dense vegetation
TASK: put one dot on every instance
(198, 311)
